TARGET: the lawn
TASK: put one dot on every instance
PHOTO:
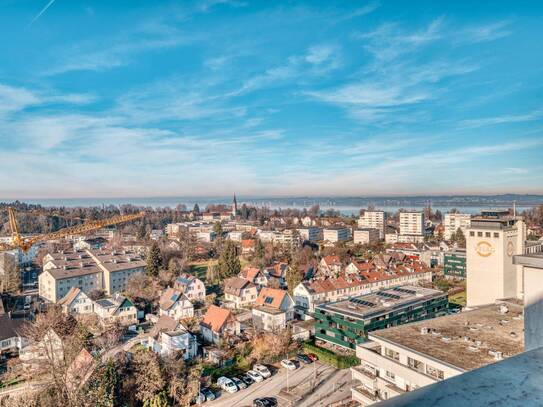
(199, 270)
(458, 298)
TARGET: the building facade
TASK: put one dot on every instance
(454, 264)
(411, 224)
(374, 220)
(346, 323)
(366, 236)
(453, 221)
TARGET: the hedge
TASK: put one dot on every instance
(331, 358)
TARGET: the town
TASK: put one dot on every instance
(236, 305)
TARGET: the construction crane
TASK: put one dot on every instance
(19, 242)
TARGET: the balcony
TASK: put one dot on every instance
(363, 395)
(367, 378)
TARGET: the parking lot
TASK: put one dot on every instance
(330, 379)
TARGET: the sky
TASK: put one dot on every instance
(267, 98)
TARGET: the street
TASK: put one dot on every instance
(329, 379)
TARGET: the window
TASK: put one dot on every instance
(415, 364)
(496, 235)
(390, 375)
(480, 234)
(392, 354)
(487, 234)
(434, 372)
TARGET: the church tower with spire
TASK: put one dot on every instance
(234, 207)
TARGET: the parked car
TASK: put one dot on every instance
(199, 399)
(227, 384)
(263, 370)
(240, 383)
(265, 402)
(256, 376)
(313, 357)
(288, 364)
(246, 379)
(208, 393)
(303, 358)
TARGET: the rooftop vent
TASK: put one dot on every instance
(436, 333)
(496, 354)
(503, 309)
(473, 348)
(424, 330)
(446, 339)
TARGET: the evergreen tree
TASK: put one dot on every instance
(293, 275)
(104, 387)
(217, 228)
(229, 264)
(460, 238)
(142, 231)
(154, 260)
(148, 376)
(10, 280)
(244, 212)
(260, 253)
(196, 208)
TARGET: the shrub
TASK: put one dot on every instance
(331, 358)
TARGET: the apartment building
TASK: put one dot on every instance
(374, 220)
(454, 264)
(307, 295)
(453, 221)
(411, 225)
(346, 323)
(310, 233)
(407, 357)
(336, 234)
(366, 236)
(88, 270)
(288, 237)
(491, 242)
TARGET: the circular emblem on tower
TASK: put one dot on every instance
(510, 249)
(484, 249)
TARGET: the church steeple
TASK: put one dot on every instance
(234, 206)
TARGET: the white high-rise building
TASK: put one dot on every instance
(412, 223)
(374, 220)
(491, 242)
(453, 221)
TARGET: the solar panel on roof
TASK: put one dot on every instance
(174, 297)
(268, 300)
(405, 290)
(363, 302)
(388, 295)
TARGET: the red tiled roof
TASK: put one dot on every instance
(216, 317)
(271, 297)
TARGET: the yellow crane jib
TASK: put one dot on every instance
(26, 243)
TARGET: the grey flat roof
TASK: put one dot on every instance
(516, 381)
(530, 260)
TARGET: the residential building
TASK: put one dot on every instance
(235, 235)
(76, 302)
(346, 323)
(366, 236)
(491, 242)
(116, 309)
(10, 339)
(191, 286)
(411, 227)
(329, 266)
(309, 294)
(455, 264)
(273, 309)
(410, 356)
(175, 304)
(90, 243)
(454, 221)
(50, 347)
(374, 220)
(173, 342)
(156, 234)
(336, 234)
(88, 270)
(248, 246)
(277, 272)
(240, 292)
(219, 324)
(310, 233)
(254, 275)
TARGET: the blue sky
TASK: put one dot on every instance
(143, 98)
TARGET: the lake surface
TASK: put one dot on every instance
(347, 206)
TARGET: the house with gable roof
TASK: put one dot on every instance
(175, 304)
(329, 266)
(219, 324)
(116, 309)
(168, 336)
(76, 302)
(254, 275)
(274, 308)
(191, 286)
(240, 292)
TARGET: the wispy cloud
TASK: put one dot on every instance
(505, 119)
(43, 10)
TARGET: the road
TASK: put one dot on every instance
(329, 377)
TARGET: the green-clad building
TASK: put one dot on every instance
(347, 322)
(454, 264)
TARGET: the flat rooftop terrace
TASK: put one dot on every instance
(467, 340)
(382, 302)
